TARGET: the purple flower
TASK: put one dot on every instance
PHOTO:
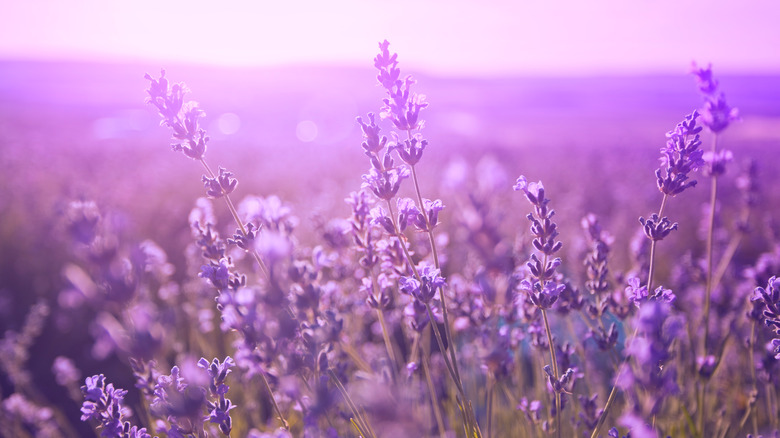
(657, 329)
(409, 214)
(411, 150)
(542, 297)
(180, 117)
(380, 218)
(218, 275)
(65, 371)
(681, 156)
(655, 228)
(704, 80)
(385, 183)
(425, 288)
(401, 105)
(219, 409)
(716, 114)
(767, 301)
(103, 403)
(372, 142)
(221, 185)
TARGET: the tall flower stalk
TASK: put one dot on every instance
(680, 156)
(717, 115)
(402, 107)
(543, 288)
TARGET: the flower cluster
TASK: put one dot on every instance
(401, 106)
(767, 309)
(717, 114)
(681, 156)
(543, 290)
(219, 409)
(183, 119)
(103, 403)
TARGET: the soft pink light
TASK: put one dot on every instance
(455, 36)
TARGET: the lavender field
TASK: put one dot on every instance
(316, 251)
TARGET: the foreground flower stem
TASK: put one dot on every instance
(432, 391)
(554, 366)
(468, 415)
(428, 225)
(708, 294)
(388, 343)
(358, 421)
(234, 213)
(650, 271)
(267, 386)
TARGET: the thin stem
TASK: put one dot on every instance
(388, 343)
(267, 386)
(707, 298)
(555, 369)
(651, 269)
(432, 392)
(241, 226)
(435, 253)
(358, 420)
(613, 392)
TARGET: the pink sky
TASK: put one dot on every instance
(438, 36)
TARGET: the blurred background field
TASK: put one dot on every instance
(82, 131)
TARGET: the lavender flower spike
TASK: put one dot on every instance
(180, 117)
(681, 156)
(401, 106)
(717, 114)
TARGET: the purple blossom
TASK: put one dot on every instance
(542, 297)
(411, 150)
(767, 301)
(716, 114)
(219, 409)
(401, 106)
(380, 218)
(372, 142)
(103, 403)
(221, 185)
(716, 161)
(425, 288)
(704, 79)
(656, 228)
(657, 329)
(65, 371)
(409, 214)
(681, 156)
(385, 183)
(180, 117)
(217, 274)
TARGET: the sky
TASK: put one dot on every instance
(446, 37)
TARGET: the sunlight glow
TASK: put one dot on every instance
(457, 36)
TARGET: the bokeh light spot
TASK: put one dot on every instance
(228, 123)
(306, 131)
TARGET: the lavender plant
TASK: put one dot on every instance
(422, 308)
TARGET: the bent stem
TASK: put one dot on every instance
(240, 224)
